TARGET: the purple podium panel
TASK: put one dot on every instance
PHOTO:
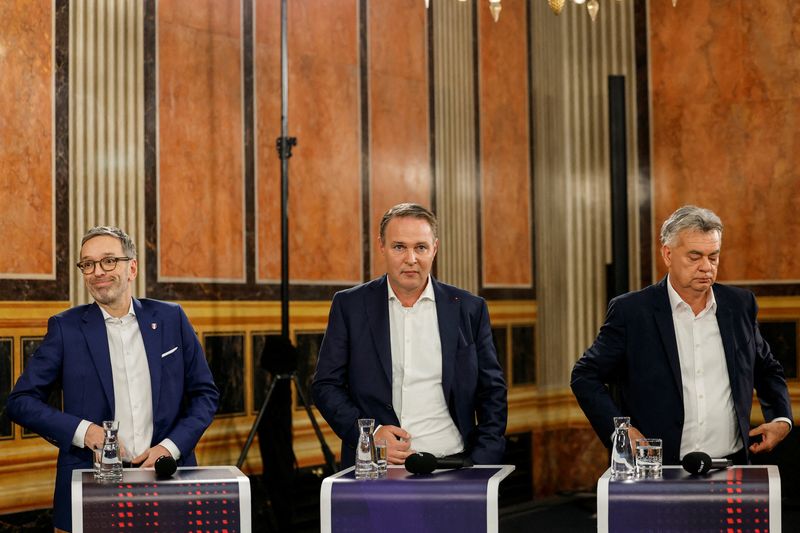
(739, 499)
(445, 501)
(207, 499)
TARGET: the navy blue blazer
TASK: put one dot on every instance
(354, 371)
(637, 349)
(74, 354)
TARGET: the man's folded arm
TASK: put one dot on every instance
(595, 368)
(329, 387)
(491, 404)
(27, 404)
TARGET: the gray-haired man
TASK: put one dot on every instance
(686, 354)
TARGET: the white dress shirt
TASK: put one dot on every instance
(709, 420)
(417, 394)
(133, 398)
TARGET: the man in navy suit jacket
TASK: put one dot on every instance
(136, 361)
(686, 354)
(414, 354)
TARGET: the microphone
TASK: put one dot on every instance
(701, 463)
(165, 466)
(425, 463)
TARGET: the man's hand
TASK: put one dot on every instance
(94, 438)
(148, 458)
(772, 433)
(634, 434)
(398, 443)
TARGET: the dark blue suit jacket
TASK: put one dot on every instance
(75, 355)
(354, 371)
(637, 349)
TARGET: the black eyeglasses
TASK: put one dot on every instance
(107, 264)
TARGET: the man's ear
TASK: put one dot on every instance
(666, 255)
(134, 269)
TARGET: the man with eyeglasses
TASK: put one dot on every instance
(137, 361)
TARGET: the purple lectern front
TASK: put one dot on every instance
(732, 500)
(462, 500)
(215, 498)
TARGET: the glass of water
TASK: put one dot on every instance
(381, 458)
(649, 458)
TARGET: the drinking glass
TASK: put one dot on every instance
(649, 458)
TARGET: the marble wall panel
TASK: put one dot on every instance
(258, 374)
(324, 115)
(200, 141)
(725, 121)
(505, 145)
(6, 382)
(399, 124)
(562, 463)
(225, 355)
(518, 486)
(500, 339)
(307, 352)
(782, 338)
(523, 355)
(26, 140)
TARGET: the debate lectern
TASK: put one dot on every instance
(445, 501)
(739, 498)
(215, 498)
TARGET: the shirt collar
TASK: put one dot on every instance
(427, 294)
(106, 315)
(675, 299)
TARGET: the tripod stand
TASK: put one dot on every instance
(330, 460)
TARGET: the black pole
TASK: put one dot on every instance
(284, 146)
(617, 280)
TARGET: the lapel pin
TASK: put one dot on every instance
(154, 325)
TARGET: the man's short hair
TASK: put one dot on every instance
(409, 210)
(128, 248)
(689, 217)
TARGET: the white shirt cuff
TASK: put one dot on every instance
(171, 448)
(783, 419)
(78, 440)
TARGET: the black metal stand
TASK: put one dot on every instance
(284, 145)
(330, 459)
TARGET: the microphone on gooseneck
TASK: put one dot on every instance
(165, 466)
(425, 463)
(701, 463)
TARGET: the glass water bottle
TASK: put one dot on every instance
(110, 461)
(365, 450)
(622, 465)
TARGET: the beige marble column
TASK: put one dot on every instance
(455, 166)
(106, 125)
(571, 61)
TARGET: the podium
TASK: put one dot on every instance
(739, 498)
(215, 498)
(444, 501)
